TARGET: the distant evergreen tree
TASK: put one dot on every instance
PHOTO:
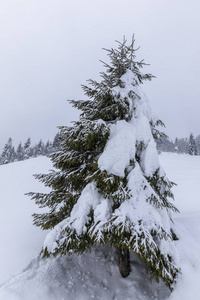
(109, 186)
(56, 142)
(48, 148)
(27, 148)
(182, 145)
(20, 152)
(39, 149)
(8, 154)
(165, 145)
(176, 148)
(197, 141)
(192, 149)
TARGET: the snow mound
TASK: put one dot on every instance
(90, 276)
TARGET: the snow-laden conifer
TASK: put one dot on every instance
(192, 148)
(8, 154)
(108, 186)
(27, 148)
(20, 152)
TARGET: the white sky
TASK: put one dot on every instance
(50, 47)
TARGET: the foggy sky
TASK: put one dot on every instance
(50, 47)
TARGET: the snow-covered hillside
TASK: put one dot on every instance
(93, 275)
(20, 240)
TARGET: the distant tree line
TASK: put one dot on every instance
(188, 145)
(26, 150)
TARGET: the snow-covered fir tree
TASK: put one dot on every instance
(197, 141)
(8, 154)
(108, 186)
(56, 141)
(20, 152)
(39, 148)
(27, 149)
(165, 145)
(182, 145)
(192, 148)
(48, 148)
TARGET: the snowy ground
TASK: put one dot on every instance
(20, 241)
(94, 275)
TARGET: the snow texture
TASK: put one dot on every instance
(124, 136)
(121, 141)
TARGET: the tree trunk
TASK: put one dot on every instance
(123, 261)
